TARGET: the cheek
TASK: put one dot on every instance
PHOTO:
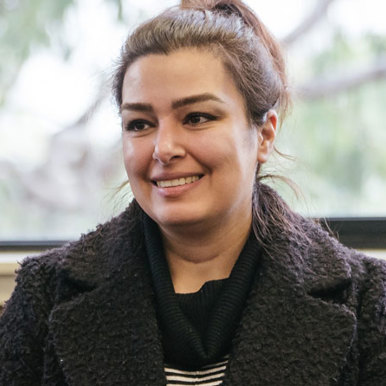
(135, 157)
(211, 151)
(128, 154)
(217, 151)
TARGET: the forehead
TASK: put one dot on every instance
(191, 71)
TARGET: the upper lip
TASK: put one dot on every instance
(173, 176)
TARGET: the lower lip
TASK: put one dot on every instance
(175, 191)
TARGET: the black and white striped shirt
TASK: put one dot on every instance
(210, 375)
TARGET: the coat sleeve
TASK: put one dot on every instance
(372, 326)
(23, 324)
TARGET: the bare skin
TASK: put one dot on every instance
(206, 256)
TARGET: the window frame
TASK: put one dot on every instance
(354, 232)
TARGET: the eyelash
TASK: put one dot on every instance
(208, 117)
(131, 126)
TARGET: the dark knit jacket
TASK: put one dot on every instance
(84, 314)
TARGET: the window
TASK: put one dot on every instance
(60, 158)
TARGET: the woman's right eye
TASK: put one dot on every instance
(137, 125)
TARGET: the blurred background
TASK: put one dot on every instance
(60, 154)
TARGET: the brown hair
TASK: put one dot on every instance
(249, 52)
(232, 30)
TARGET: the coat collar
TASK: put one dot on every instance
(105, 327)
(294, 330)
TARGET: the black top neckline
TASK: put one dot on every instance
(186, 342)
(203, 288)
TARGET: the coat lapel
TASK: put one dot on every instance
(109, 335)
(289, 334)
(104, 327)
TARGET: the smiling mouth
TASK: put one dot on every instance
(176, 182)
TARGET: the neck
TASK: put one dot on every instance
(195, 257)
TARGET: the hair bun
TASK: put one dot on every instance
(226, 7)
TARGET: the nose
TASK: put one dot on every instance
(168, 144)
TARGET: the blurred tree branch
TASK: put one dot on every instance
(308, 22)
(342, 82)
(73, 171)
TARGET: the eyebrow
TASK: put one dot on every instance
(195, 99)
(145, 107)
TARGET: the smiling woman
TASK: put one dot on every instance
(205, 134)
(194, 128)
(208, 277)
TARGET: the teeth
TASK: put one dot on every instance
(177, 182)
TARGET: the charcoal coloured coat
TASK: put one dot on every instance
(84, 314)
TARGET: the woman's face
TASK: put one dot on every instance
(189, 152)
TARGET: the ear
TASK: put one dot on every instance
(266, 136)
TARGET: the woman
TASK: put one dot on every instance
(208, 277)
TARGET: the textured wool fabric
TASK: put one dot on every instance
(84, 314)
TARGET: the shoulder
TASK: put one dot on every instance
(325, 248)
(355, 283)
(87, 260)
(330, 264)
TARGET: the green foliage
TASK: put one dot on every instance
(377, 44)
(344, 53)
(341, 137)
(339, 53)
(25, 25)
(338, 141)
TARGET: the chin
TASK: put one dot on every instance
(176, 219)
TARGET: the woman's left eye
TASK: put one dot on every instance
(198, 118)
